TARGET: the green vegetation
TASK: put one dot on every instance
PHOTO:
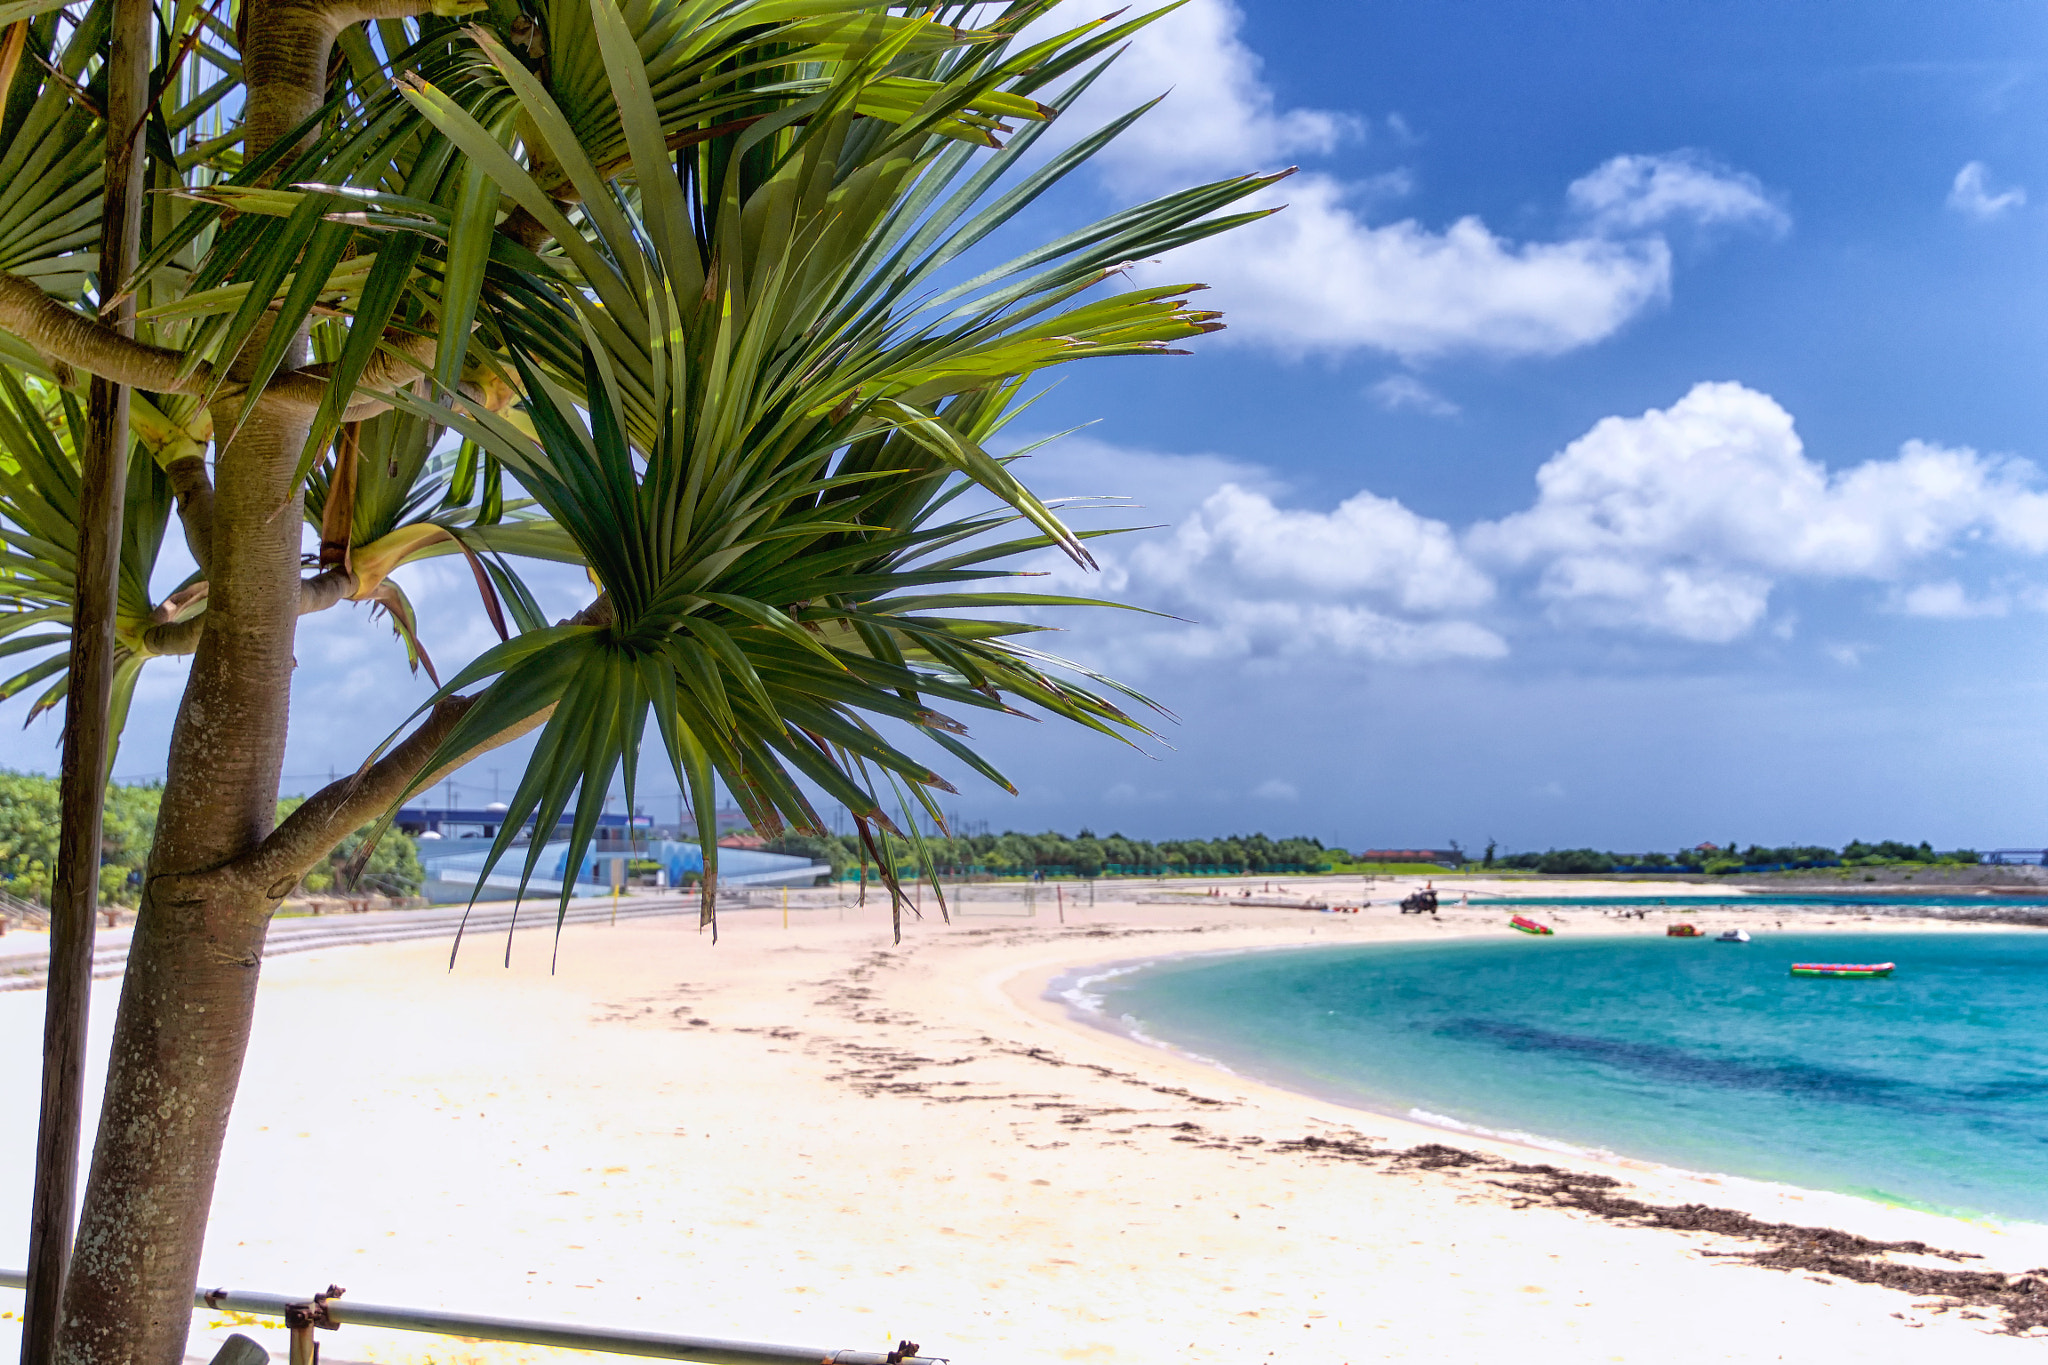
(1718, 861)
(28, 837)
(393, 868)
(28, 845)
(1388, 869)
(1086, 854)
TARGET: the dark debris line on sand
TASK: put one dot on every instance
(892, 1071)
(2021, 1299)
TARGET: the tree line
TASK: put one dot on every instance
(1731, 858)
(28, 845)
(1085, 854)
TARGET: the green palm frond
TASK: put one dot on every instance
(702, 296)
(50, 154)
(775, 399)
(40, 430)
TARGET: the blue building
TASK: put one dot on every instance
(453, 866)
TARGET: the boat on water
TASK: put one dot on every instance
(1856, 969)
(1733, 936)
(1529, 926)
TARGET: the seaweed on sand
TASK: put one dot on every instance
(2021, 1301)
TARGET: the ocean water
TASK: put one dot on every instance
(1928, 1089)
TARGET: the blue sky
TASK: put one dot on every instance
(1628, 435)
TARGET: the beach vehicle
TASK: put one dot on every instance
(1529, 926)
(1733, 936)
(1682, 931)
(1847, 969)
(1421, 902)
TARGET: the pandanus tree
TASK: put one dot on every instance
(725, 302)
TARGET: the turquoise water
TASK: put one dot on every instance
(1929, 1088)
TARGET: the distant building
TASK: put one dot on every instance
(2037, 857)
(1449, 857)
(455, 822)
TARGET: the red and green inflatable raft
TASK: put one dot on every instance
(1856, 969)
(1529, 926)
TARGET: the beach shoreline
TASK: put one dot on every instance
(1758, 1196)
(810, 1134)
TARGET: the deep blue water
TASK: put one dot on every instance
(1929, 1088)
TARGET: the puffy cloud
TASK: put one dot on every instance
(1947, 600)
(1406, 393)
(1367, 547)
(1217, 114)
(1969, 197)
(1322, 277)
(1253, 581)
(1633, 194)
(1251, 628)
(1318, 277)
(1681, 520)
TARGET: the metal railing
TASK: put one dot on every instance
(329, 1311)
(26, 911)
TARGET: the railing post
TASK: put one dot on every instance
(302, 1318)
(239, 1350)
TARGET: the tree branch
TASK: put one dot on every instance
(194, 492)
(317, 593)
(77, 340)
(324, 589)
(340, 808)
(284, 59)
(337, 810)
(598, 613)
(73, 339)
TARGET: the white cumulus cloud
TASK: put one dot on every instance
(1217, 113)
(1406, 393)
(1684, 522)
(1947, 600)
(1322, 276)
(1366, 548)
(1634, 194)
(1253, 581)
(1319, 277)
(1969, 196)
(1683, 519)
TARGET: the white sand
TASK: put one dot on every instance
(861, 1143)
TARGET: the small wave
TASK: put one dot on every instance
(1073, 989)
(1514, 1135)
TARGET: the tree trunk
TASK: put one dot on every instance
(190, 993)
(189, 997)
(103, 480)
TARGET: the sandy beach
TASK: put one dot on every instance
(807, 1134)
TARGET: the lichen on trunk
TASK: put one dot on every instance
(189, 996)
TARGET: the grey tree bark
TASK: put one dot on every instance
(218, 868)
(74, 902)
(189, 997)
